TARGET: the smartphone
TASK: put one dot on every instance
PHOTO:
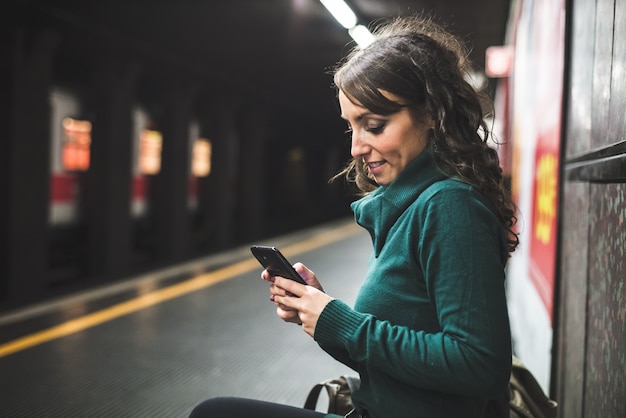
(275, 262)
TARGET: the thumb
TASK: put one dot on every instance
(309, 277)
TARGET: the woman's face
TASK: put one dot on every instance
(385, 143)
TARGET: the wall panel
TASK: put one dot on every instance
(591, 330)
(580, 90)
(617, 122)
(602, 56)
(606, 327)
(570, 336)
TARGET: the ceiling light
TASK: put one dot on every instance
(341, 12)
(361, 35)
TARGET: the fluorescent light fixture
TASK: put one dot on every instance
(341, 12)
(362, 36)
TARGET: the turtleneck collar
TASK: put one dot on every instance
(378, 211)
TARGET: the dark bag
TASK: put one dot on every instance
(339, 391)
(524, 397)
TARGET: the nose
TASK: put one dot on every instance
(358, 146)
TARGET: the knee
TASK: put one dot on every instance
(214, 408)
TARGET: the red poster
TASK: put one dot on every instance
(544, 216)
(548, 45)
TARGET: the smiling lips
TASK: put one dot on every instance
(375, 164)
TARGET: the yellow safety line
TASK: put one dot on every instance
(167, 293)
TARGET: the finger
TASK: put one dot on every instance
(308, 275)
(289, 286)
(288, 316)
(265, 275)
(277, 290)
(284, 307)
(288, 303)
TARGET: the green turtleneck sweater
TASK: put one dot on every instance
(429, 333)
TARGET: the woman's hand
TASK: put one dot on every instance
(295, 302)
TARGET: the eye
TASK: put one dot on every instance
(375, 128)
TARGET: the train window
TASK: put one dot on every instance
(150, 145)
(70, 142)
(76, 144)
(201, 158)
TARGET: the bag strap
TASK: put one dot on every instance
(331, 389)
(311, 400)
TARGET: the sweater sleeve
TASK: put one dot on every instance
(341, 355)
(460, 251)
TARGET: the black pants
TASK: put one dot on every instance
(244, 408)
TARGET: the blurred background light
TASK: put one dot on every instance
(346, 17)
(341, 12)
(361, 35)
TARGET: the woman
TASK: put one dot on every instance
(429, 332)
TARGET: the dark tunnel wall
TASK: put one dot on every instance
(270, 163)
(590, 346)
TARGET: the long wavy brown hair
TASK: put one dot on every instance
(427, 67)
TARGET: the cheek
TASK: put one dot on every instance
(417, 148)
(405, 145)
(418, 141)
(386, 147)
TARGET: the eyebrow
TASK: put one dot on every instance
(359, 117)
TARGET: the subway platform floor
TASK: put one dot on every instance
(158, 344)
